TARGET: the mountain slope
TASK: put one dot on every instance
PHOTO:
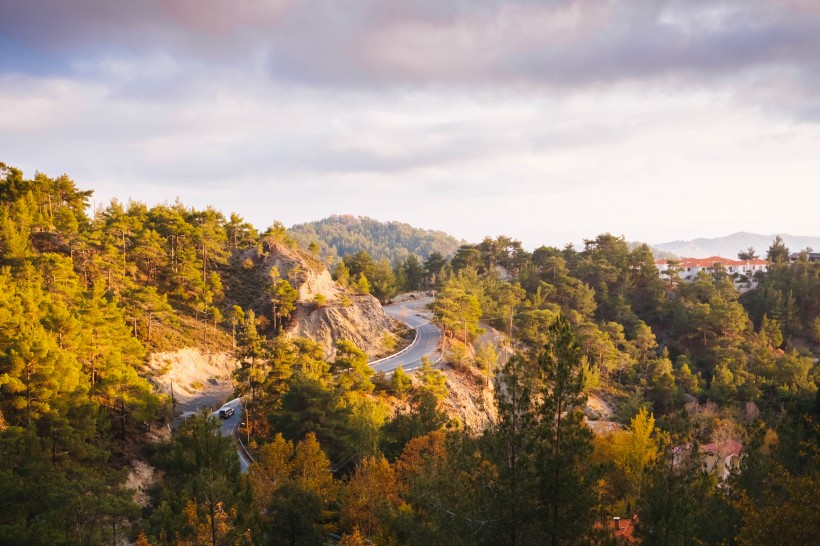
(337, 314)
(730, 245)
(338, 236)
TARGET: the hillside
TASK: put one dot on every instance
(323, 310)
(102, 317)
(339, 236)
(656, 252)
(730, 245)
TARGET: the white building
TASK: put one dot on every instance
(741, 271)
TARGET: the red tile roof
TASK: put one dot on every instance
(624, 529)
(709, 262)
(723, 449)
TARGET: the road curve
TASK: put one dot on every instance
(228, 428)
(428, 337)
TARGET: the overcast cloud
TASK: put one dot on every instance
(549, 121)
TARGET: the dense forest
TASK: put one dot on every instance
(342, 454)
(340, 236)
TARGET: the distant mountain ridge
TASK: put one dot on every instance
(730, 245)
(341, 235)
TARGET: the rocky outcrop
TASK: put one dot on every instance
(325, 311)
(303, 271)
(196, 378)
(363, 322)
(141, 478)
(470, 399)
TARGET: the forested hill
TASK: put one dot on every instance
(342, 235)
(656, 252)
(689, 369)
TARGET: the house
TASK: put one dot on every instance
(721, 457)
(623, 529)
(742, 272)
(718, 457)
(811, 256)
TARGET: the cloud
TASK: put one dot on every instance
(361, 42)
(69, 24)
(544, 168)
(549, 120)
(765, 51)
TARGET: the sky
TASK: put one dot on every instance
(549, 121)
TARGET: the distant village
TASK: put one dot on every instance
(744, 273)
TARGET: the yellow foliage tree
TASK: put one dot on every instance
(631, 451)
(371, 498)
(142, 540)
(353, 539)
(273, 467)
(311, 469)
(207, 530)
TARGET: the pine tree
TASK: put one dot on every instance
(283, 298)
(510, 445)
(566, 484)
(341, 274)
(250, 351)
(351, 363)
(432, 381)
(400, 382)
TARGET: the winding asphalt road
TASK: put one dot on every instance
(229, 426)
(428, 337)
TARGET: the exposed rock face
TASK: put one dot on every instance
(141, 476)
(304, 272)
(470, 399)
(343, 315)
(197, 378)
(363, 322)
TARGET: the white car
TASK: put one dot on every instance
(224, 413)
